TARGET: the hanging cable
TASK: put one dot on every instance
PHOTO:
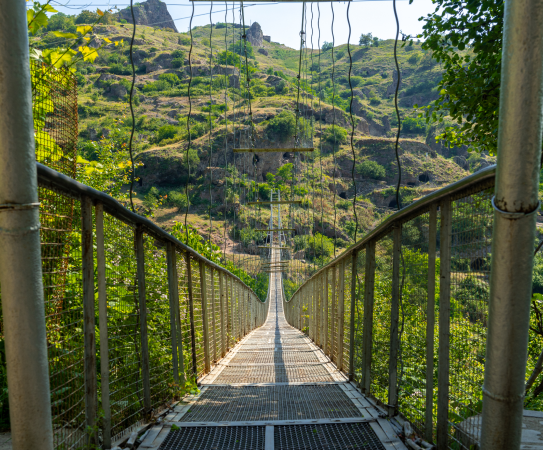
(226, 127)
(352, 120)
(130, 150)
(396, 144)
(247, 78)
(188, 127)
(334, 125)
(210, 124)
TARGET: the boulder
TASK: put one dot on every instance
(267, 38)
(106, 77)
(462, 162)
(263, 51)
(173, 113)
(392, 87)
(117, 91)
(151, 12)
(255, 35)
(234, 81)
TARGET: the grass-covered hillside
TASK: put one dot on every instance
(220, 181)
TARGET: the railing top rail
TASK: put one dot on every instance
(413, 209)
(51, 179)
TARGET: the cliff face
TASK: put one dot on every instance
(255, 35)
(153, 13)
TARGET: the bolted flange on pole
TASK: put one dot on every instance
(515, 208)
(20, 258)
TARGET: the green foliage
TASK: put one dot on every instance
(317, 247)
(327, 46)
(374, 101)
(239, 49)
(411, 125)
(166, 132)
(228, 58)
(335, 135)
(178, 199)
(366, 40)
(371, 169)
(282, 126)
(470, 87)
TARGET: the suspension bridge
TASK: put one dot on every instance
(119, 335)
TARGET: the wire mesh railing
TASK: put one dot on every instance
(404, 311)
(137, 318)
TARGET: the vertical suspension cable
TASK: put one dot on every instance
(131, 95)
(226, 128)
(188, 126)
(334, 124)
(209, 118)
(352, 120)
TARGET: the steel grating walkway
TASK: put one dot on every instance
(275, 390)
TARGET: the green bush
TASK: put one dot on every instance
(178, 54)
(178, 199)
(374, 101)
(282, 126)
(166, 132)
(177, 63)
(371, 169)
(335, 135)
(411, 125)
(344, 204)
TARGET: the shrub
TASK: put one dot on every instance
(177, 63)
(371, 169)
(411, 125)
(327, 46)
(374, 101)
(281, 87)
(339, 54)
(177, 199)
(414, 58)
(344, 204)
(269, 71)
(335, 135)
(166, 132)
(283, 125)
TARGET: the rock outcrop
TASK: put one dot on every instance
(151, 12)
(255, 35)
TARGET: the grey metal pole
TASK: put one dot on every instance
(191, 316)
(87, 259)
(205, 320)
(145, 366)
(354, 264)
(341, 314)
(516, 205)
(173, 297)
(394, 322)
(20, 257)
(102, 321)
(367, 343)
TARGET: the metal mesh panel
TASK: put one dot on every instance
(184, 314)
(359, 315)
(63, 293)
(251, 403)
(470, 272)
(217, 438)
(211, 322)
(414, 316)
(124, 336)
(198, 317)
(158, 323)
(273, 374)
(347, 314)
(54, 104)
(382, 296)
(330, 437)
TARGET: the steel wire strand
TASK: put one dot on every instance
(333, 126)
(188, 127)
(226, 129)
(210, 124)
(247, 79)
(130, 102)
(352, 120)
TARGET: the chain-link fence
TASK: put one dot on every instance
(414, 320)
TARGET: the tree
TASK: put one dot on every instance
(376, 41)
(327, 46)
(283, 125)
(470, 87)
(366, 39)
(239, 49)
(371, 169)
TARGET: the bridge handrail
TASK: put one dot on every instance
(124, 295)
(408, 298)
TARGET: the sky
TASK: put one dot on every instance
(282, 21)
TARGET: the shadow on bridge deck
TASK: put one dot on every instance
(274, 390)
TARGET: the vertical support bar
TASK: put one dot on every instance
(224, 307)
(368, 317)
(430, 324)
(354, 279)
(232, 313)
(341, 314)
(444, 327)
(102, 321)
(191, 315)
(515, 212)
(333, 318)
(394, 321)
(173, 297)
(325, 312)
(145, 368)
(20, 255)
(87, 259)
(203, 290)
(312, 310)
(213, 320)
(319, 311)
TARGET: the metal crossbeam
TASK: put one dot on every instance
(277, 229)
(275, 248)
(270, 150)
(278, 202)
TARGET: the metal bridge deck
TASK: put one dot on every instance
(275, 390)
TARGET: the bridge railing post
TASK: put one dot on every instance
(444, 327)
(213, 323)
(430, 324)
(341, 314)
(203, 290)
(145, 368)
(354, 279)
(333, 316)
(367, 344)
(394, 322)
(191, 315)
(224, 322)
(87, 258)
(173, 296)
(325, 312)
(102, 320)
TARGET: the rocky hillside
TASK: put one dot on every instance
(220, 121)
